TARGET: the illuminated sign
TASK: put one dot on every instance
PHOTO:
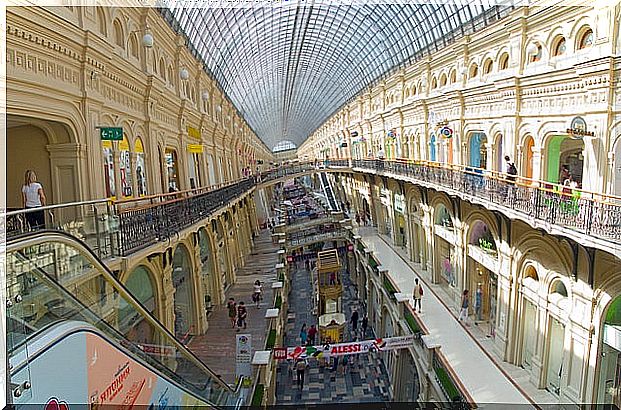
(111, 133)
(194, 132)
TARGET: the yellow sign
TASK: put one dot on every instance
(195, 148)
(106, 144)
(194, 132)
(138, 146)
(124, 145)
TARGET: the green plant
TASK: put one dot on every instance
(389, 287)
(257, 396)
(412, 323)
(278, 302)
(372, 262)
(447, 384)
(271, 340)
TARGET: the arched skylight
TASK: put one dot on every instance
(283, 146)
(289, 66)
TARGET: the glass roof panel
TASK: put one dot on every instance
(288, 67)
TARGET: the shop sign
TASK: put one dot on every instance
(111, 133)
(195, 148)
(354, 134)
(400, 203)
(446, 132)
(194, 132)
(280, 353)
(392, 133)
(578, 129)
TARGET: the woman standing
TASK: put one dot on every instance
(33, 197)
(465, 302)
(257, 294)
(303, 334)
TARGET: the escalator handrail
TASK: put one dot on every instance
(43, 236)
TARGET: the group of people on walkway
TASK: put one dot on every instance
(237, 314)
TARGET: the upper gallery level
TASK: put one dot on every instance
(73, 70)
(540, 86)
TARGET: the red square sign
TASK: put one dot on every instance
(280, 353)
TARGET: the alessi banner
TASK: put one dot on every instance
(342, 349)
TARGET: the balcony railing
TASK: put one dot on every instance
(590, 213)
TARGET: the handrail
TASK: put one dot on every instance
(44, 236)
(56, 206)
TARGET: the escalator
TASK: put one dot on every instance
(75, 335)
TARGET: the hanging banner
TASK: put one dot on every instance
(195, 149)
(343, 349)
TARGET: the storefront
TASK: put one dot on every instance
(478, 150)
(172, 173)
(444, 249)
(125, 168)
(400, 236)
(108, 160)
(141, 169)
(182, 283)
(195, 152)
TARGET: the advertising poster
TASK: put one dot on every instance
(343, 349)
(141, 171)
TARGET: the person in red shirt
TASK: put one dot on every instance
(311, 335)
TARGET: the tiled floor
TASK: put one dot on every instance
(216, 348)
(476, 370)
(364, 380)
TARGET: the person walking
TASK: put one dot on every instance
(354, 321)
(358, 219)
(232, 307)
(465, 302)
(417, 294)
(242, 314)
(365, 323)
(478, 304)
(257, 294)
(304, 335)
(33, 196)
(300, 370)
(312, 332)
(511, 170)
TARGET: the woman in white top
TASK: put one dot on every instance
(257, 295)
(33, 197)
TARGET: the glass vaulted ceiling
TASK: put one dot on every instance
(289, 65)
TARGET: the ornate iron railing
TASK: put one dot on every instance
(586, 212)
(146, 221)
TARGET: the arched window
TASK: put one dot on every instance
(133, 46)
(442, 80)
(101, 22)
(414, 90)
(559, 46)
(487, 66)
(503, 62)
(536, 56)
(118, 34)
(474, 71)
(585, 39)
(453, 76)
(407, 92)
(434, 83)
(171, 77)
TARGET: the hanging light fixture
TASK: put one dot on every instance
(184, 74)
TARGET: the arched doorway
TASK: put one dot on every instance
(609, 385)
(208, 277)
(49, 149)
(388, 330)
(140, 284)
(556, 337)
(172, 170)
(564, 155)
(432, 148)
(617, 169)
(478, 150)
(481, 273)
(417, 242)
(527, 157)
(499, 151)
(529, 318)
(444, 248)
(183, 297)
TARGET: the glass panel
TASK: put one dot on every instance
(61, 283)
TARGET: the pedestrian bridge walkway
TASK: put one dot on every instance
(485, 382)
